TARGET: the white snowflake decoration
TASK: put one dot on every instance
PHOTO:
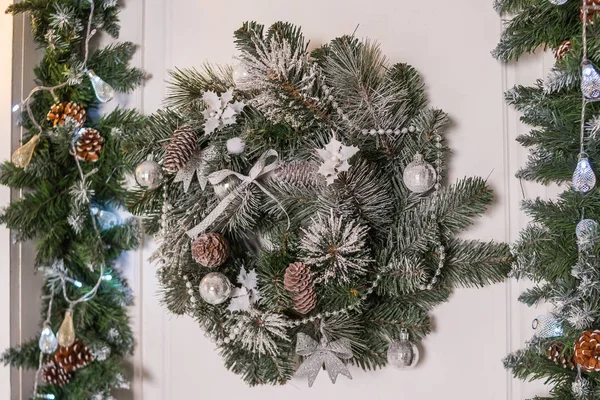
(220, 110)
(243, 298)
(335, 159)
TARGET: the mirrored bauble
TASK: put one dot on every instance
(585, 228)
(215, 288)
(48, 342)
(149, 174)
(403, 353)
(546, 326)
(584, 178)
(104, 92)
(590, 81)
(419, 176)
(22, 156)
(558, 2)
(66, 332)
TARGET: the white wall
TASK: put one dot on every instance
(449, 43)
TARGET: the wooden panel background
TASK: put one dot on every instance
(449, 43)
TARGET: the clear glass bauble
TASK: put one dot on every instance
(215, 288)
(148, 174)
(584, 178)
(48, 342)
(419, 176)
(104, 92)
(403, 353)
(585, 228)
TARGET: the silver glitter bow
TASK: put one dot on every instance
(261, 168)
(197, 165)
(329, 353)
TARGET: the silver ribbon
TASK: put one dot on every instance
(199, 166)
(329, 353)
(260, 168)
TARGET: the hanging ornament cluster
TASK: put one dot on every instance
(419, 176)
(181, 147)
(587, 351)
(210, 250)
(60, 112)
(88, 144)
(148, 174)
(22, 156)
(403, 353)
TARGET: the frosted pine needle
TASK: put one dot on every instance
(259, 332)
(335, 247)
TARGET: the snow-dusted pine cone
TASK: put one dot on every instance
(303, 174)
(53, 374)
(180, 149)
(557, 354)
(73, 357)
(89, 145)
(59, 112)
(210, 250)
(563, 49)
(298, 281)
(587, 351)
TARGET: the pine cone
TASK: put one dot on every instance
(298, 281)
(210, 250)
(303, 174)
(53, 374)
(587, 351)
(563, 49)
(89, 145)
(558, 356)
(180, 149)
(73, 357)
(59, 112)
(591, 14)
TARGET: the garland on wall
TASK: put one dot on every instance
(298, 203)
(559, 249)
(70, 173)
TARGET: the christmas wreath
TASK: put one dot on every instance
(299, 207)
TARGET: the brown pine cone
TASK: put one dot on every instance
(298, 281)
(591, 14)
(53, 374)
(180, 149)
(210, 250)
(59, 112)
(587, 351)
(89, 145)
(302, 174)
(563, 49)
(73, 357)
(557, 354)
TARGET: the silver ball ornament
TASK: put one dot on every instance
(215, 288)
(148, 174)
(403, 354)
(419, 176)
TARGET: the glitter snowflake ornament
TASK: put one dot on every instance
(220, 111)
(335, 159)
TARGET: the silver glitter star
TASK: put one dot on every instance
(329, 353)
(197, 165)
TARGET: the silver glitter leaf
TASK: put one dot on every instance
(325, 353)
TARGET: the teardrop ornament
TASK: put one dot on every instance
(22, 156)
(584, 178)
(590, 81)
(48, 342)
(66, 332)
(104, 92)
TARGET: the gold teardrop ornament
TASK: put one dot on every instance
(22, 156)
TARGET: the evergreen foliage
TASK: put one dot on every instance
(372, 227)
(564, 269)
(54, 208)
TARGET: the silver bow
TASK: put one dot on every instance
(329, 353)
(261, 168)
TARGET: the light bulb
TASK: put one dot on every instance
(107, 277)
(590, 81)
(66, 332)
(104, 92)
(48, 342)
(16, 107)
(584, 178)
(22, 156)
(78, 284)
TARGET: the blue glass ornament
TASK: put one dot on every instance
(590, 81)
(584, 178)
(48, 342)
(546, 326)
